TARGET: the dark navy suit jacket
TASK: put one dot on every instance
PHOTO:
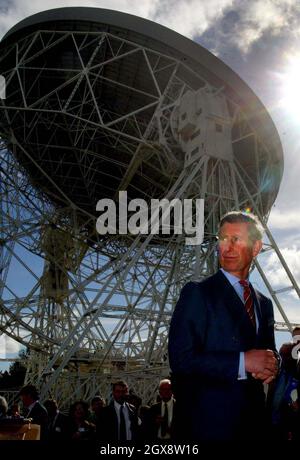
(209, 329)
(108, 423)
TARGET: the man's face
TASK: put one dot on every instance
(236, 250)
(296, 335)
(165, 391)
(97, 406)
(120, 393)
(51, 408)
(26, 400)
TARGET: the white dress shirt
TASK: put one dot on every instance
(126, 417)
(170, 405)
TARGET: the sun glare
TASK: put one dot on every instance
(291, 86)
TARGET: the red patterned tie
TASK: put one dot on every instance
(248, 300)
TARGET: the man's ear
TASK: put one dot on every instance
(257, 247)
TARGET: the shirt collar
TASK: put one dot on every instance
(170, 402)
(118, 405)
(231, 278)
(32, 405)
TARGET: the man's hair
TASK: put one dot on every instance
(3, 406)
(30, 390)
(163, 381)
(296, 331)
(234, 217)
(120, 383)
(81, 403)
(97, 398)
(50, 403)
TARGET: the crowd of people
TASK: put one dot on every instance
(124, 418)
(121, 419)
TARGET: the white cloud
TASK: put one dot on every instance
(291, 308)
(275, 271)
(286, 220)
(190, 17)
(8, 347)
(263, 16)
(276, 276)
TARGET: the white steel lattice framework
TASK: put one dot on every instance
(92, 108)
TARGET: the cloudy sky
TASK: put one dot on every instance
(258, 39)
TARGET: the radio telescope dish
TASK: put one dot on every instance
(99, 102)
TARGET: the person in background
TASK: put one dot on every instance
(119, 420)
(3, 407)
(80, 429)
(284, 396)
(14, 411)
(57, 422)
(97, 405)
(163, 414)
(33, 408)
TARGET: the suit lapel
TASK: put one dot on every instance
(231, 298)
(237, 310)
(130, 411)
(114, 418)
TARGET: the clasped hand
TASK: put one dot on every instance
(262, 364)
